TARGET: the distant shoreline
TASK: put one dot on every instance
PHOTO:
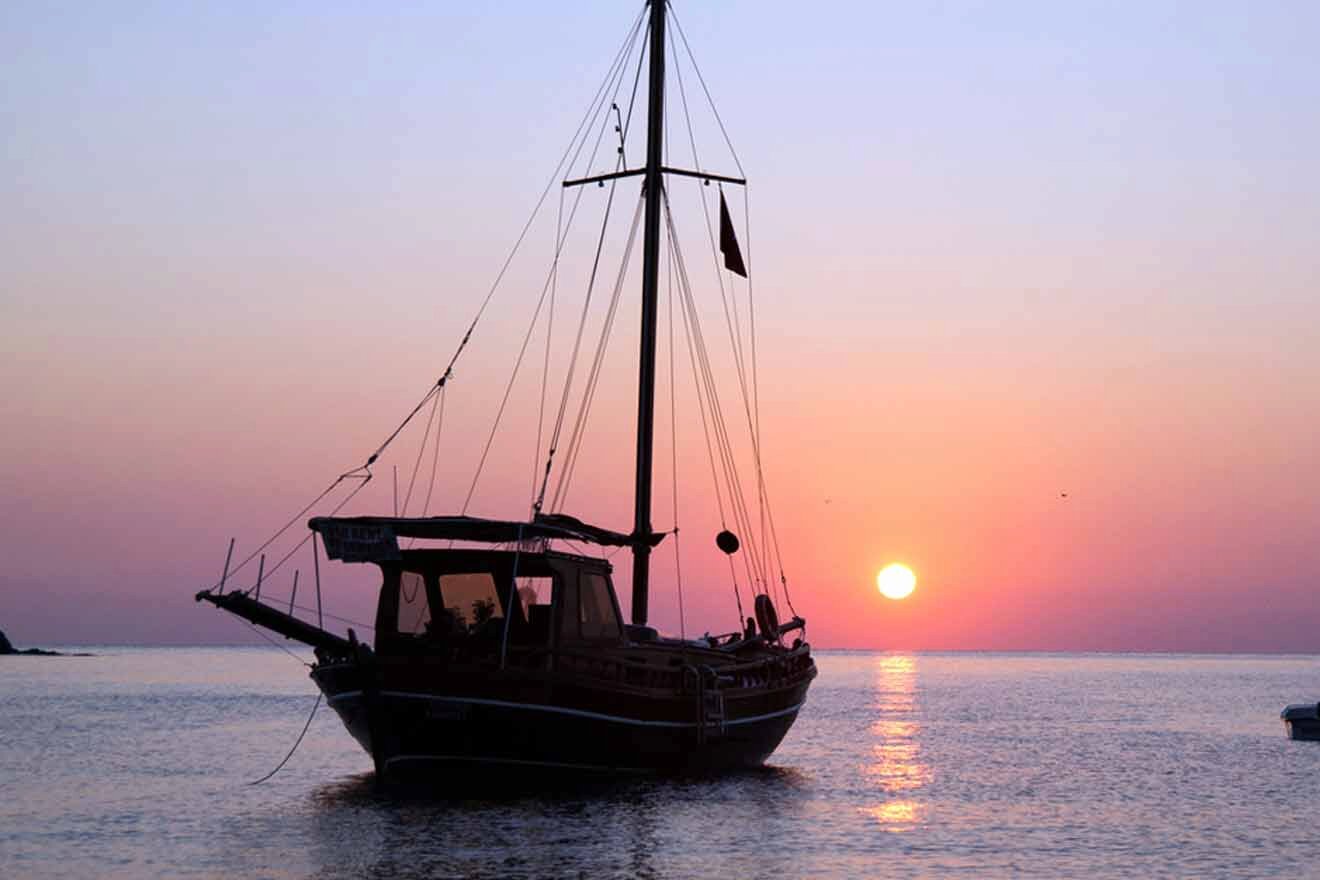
(7, 649)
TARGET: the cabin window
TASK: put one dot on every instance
(535, 591)
(596, 613)
(535, 594)
(470, 599)
(568, 610)
(414, 611)
(588, 611)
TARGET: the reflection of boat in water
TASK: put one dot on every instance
(508, 649)
(1302, 720)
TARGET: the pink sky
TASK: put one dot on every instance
(993, 265)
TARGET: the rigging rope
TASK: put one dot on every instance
(550, 276)
(596, 105)
(579, 427)
(728, 461)
(363, 472)
(673, 418)
(593, 376)
(545, 368)
(274, 643)
(673, 449)
(577, 347)
(710, 453)
(297, 516)
(711, 101)
(767, 510)
(760, 545)
(591, 284)
(435, 454)
(296, 547)
(310, 609)
(751, 402)
(421, 450)
(762, 498)
(729, 302)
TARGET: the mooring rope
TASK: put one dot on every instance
(306, 727)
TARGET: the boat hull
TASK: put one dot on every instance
(1302, 721)
(570, 726)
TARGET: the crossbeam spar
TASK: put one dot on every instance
(637, 172)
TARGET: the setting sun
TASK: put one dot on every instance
(896, 581)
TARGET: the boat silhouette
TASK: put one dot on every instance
(501, 643)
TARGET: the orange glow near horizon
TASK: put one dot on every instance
(1036, 378)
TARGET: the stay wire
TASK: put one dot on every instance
(557, 433)
(365, 476)
(701, 408)
(295, 518)
(711, 101)
(732, 322)
(756, 409)
(435, 454)
(554, 176)
(591, 283)
(296, 547)
(728, 461)
(673, 418)
(752, 406)
(349, 620)
(637, 78)
(755, 416)
(539, 497)
(504, 401)
(673, 446)
(578, 434)
(670, 250)
(540, 302)
(421, 451)
(275, 644)
(574, 149)
(615, 77)
(710, 452)
(735, 338)
(545, 367)
(593, 376)
(435, 460)
(733, 488)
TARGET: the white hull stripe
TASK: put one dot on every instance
(580, 713)
(559, 765)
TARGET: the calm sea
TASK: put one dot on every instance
(135, 763)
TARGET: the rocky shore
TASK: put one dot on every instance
(6, 647)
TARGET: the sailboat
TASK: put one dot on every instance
(501, 643)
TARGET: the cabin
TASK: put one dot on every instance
(490, 601)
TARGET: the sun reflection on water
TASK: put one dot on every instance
(896, 770)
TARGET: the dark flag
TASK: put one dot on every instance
(733, 260)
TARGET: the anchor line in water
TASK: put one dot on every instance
(298, 742)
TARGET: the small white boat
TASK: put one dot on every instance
(1302, 720)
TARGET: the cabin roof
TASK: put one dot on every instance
(469, 558)
(375, 536)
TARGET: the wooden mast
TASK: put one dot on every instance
(653, 190)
